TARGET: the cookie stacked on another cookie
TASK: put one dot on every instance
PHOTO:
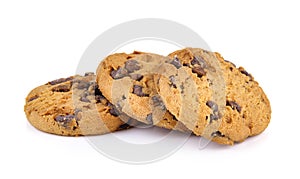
(226, 104)
(127, 82)
(199, 91)
(190, 90)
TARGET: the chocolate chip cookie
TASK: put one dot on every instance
(73, 106)
(127, 82)
(212, 97)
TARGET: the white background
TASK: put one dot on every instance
(41, 41)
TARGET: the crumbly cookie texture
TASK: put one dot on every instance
(73, 106)
(212, 97)
(127, 82)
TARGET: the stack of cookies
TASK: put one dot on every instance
(190, 90)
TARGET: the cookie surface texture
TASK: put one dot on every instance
(127, 82)
(73, 106)
(212, 97)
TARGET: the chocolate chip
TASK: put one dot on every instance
(132, 65)
(61, 80)
(64, 120)
(234, 105)
(33, 98)
(217, 134)
(149, 118)
(199, 71)
(89, 73)
(138, 90)
(172, 80)
(214, 117)
(197, 60)
(213, 106)
(119, 73)
(176, 62)
(124, 126)
(246, 73)
(157, 102)
(113, 109)
(84, 99)
(136, 77)
(83, 85)
(230, 63)
(215, 111)
(62, 88)
(85, 94)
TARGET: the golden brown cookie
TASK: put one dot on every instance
(73, 106)
(127, 82)
(212, 97)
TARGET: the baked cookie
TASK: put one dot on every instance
(127, 82)
(212, 97)
(73, 106)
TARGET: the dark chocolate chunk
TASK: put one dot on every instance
(213, 106)
(33, 98)
(172, 80)
(113, 109)
(215, 111)
(199, 71)
(85, 99)
(230, 63)
(157, 102)
(176, 62)
(217, 134)
(234, 105)
(138, 90)
(149, 118)
(124, 126)
(62, 88)
(61, 80)
(199, 61)
(64, 120)
(246, 73)
(89, 74)
(119, 73)
(132, 65)
(136, 77)
(214, 116)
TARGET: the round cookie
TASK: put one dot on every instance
(212, 97)
(73, 106)
(127, 82)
